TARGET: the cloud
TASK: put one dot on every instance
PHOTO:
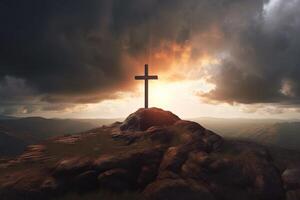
(15, 89)
(263, 65)
(77, 52)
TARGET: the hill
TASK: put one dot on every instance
(18, 132)
(152, 155)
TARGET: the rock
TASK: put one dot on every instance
(132, 160)
(129, 137)
(174, 158)
(71, 167)
(143, 119)
(23, 185)
(50, 184)
(268, 183)
(116, 180)
(293, 195)
(126, 160)
(148, 174)
(32, 153)
(213, 141)
(160, 135)
(167, 175)
(194, 134)
(245, 174)
(291, 179)
(106, 162)
(195, 165)
(190, 126)
(86, 181)
(177, 189)
(71, 139)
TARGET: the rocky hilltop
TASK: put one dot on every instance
(153, 154)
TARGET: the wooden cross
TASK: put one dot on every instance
(146, 77)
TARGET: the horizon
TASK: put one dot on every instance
(189, 118)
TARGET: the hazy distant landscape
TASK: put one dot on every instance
(281, 133)
(17, 133)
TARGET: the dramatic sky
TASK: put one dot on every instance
(218, 58)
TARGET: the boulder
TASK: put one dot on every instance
(148, 174)
(33, 153)
(212, 141)
(190, 126)
(196, 135)
(160, 135)
(268, 184)
(106, 162)
(293, 195)
(116, 180)
(50, 184)
(86, 181)
(24, 184)
(291, 179)
(129, 160)
(174, 158)
(195, 165)
(167, 175)
(176, 189)
(70, 167)
(126, 161)
(245, 173)
(143, 119)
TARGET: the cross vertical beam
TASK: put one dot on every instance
(146, 78)
(146, 86)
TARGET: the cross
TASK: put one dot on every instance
(146, 77)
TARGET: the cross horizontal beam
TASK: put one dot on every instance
(146, 77)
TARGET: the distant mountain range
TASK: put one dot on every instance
(7, 117)
(266, 131)
(285, 135)
(10, 145)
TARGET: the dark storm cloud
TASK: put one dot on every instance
(56, 51)
(263, 65)
(74, 51)
(58, 46)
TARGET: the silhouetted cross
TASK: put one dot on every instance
(146, 77)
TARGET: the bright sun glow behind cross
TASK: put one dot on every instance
(160, 94)
(167, 94)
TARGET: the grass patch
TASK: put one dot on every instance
(94, 145)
